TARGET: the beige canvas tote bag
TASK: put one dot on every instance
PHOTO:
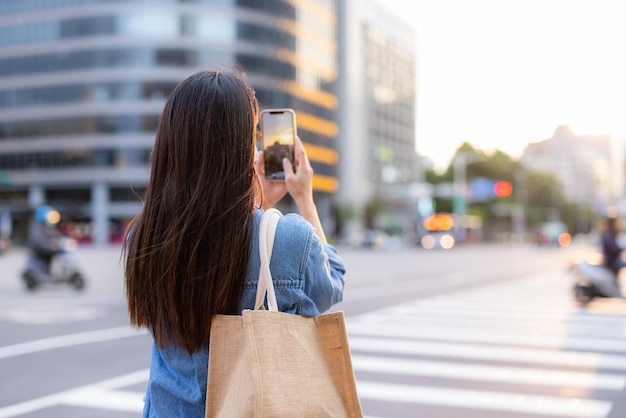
(266, 363)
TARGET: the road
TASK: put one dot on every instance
(478, 331)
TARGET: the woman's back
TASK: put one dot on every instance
(192, 251)
(308, 279)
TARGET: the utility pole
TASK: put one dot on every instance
(459, 202)
(521, 203)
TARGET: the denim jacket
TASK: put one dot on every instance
(308, 279)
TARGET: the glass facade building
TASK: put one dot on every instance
(82, 84)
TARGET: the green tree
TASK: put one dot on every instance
(373, 208)
(545, 198)
(541, 194)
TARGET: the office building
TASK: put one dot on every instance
(377, 138)
(82, 84)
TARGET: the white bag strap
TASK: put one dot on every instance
(267, 231)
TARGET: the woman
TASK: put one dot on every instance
(193, 252)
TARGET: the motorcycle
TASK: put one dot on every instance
(64, 268)
(592, 280)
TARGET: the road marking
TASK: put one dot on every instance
(485, 325)
(487, 373)
(498, 321)
(508, 312)
(116, 400)
(577, 359)
(486, 400)
(476, 335)
(68, 341)
(52, 314)
(128, 401)
(409, 323)
(489, 306)
(374, 291)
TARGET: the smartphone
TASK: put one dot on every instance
(278, 133)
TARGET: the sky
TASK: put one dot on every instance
(503, 73)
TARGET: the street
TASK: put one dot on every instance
(477, 331)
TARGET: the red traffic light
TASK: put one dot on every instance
(503, 189)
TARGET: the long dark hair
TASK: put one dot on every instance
(187, 252)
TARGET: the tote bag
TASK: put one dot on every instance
(266, 363)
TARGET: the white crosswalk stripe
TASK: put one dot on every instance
(468, 349)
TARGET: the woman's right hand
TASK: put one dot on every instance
(273, 191)
(299, 181)
(300, 187)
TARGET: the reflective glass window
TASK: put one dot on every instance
(132, 157)
(99, 92)
(87, 26)
(29, 33)
(126, 194)
(265, 35)
(175, 57)
(214, 27)
(157, 90)
(76, 60)
(78, 126)
(17, 6)
(72, 158)
(275, 7)
(149, 24)
(270, 67)
(68, 194)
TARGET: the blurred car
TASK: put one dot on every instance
(554, 234)
(5, 244)
(438, 239)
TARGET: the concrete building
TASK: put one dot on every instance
(82, 83)
(377, 108)
(590, 168)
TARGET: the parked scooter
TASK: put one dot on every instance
(64, 268)
(592, 280)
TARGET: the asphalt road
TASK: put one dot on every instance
(478, 331)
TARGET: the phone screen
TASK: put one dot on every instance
(278, 128)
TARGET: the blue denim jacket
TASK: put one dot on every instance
(308, 280)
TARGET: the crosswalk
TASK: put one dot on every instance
(519, 348)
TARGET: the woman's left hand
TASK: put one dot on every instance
(273, 191)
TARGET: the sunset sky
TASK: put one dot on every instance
(503, 73)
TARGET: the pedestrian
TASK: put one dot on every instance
(44, 240)
(611, 248)
(192, 251)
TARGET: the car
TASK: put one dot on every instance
(438, 239)
(554, 234)
(5, 244)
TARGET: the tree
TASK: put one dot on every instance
(373, 208)
(545, 198)
(541, 194)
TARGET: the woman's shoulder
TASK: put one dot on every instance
(292, 230)
(288, 220)
(293, 220)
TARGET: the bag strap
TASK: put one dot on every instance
(267, 232)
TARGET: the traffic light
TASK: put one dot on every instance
(502, 189)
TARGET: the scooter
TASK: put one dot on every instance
(64, 268)
(592, 280)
